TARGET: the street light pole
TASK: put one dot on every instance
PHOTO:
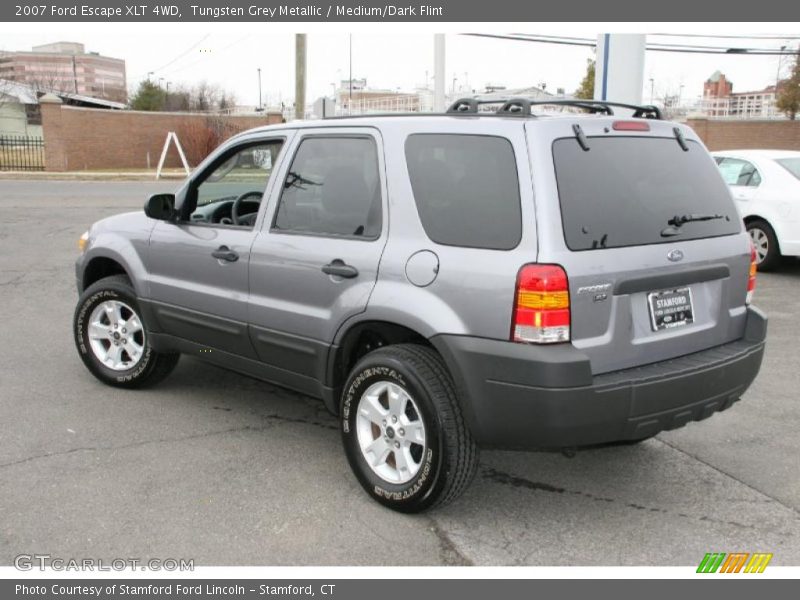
(778, 74)
(259, 89)
(652, 89)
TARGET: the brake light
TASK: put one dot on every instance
(630, 126)
(541, 305)
(751, 279)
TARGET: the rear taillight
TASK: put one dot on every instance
(751, 279)
(541, 305)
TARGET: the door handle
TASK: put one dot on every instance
(226, 254)
(340, 269)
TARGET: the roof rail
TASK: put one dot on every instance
(524, 106)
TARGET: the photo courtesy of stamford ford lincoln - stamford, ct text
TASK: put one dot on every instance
(356, 299)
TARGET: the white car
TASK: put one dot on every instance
(766, 187)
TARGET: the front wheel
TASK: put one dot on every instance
(112, 339)
(403, 431)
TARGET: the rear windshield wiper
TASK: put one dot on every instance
(677, 221)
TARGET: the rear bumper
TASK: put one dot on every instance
(526, 396)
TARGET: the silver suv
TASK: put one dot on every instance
(446, 282)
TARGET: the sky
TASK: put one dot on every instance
(394, 58)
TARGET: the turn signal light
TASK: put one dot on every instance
(541, 305)
(751, 279)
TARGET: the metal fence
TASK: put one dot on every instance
(21, 153)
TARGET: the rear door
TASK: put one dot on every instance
(743, 178)
(315, 262)
(651, 242)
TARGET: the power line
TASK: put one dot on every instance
(182, 54)
(652, 46)
(193, 63)
(776, 37)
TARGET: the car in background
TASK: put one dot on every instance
(766, 187)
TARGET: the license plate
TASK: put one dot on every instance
(670, 308)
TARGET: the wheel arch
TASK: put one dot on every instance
(357, 339)
(751, 218)
(105, 260)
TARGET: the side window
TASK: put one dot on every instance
(466, 188)
(739, 172)
(230, 194)
(332, 188)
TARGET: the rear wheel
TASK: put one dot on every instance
(112, 338)
(403, 431)
(768, 254)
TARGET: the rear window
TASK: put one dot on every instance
(790, 164)
(466, 189)
(625, 190)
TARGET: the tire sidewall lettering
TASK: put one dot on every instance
(422, 482)
(81, 335)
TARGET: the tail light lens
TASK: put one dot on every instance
(541, 305)
(751, 279)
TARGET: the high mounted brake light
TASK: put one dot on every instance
(751, 279)
(630, 126)
(541, 305)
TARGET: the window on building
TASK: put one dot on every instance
(33, 114)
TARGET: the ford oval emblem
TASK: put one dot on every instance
(675, 255)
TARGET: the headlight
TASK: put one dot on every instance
(83, 241)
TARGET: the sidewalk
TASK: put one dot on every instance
(141, 175)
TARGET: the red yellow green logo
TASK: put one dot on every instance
(735, 562)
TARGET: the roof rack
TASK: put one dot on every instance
(523, 107)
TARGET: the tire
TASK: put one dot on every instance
(137, 364)
(438, 470)
(767, 249)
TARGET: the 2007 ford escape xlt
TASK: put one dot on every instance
(504, 279)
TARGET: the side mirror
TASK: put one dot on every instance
(160, 206)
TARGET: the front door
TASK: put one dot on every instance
(316, 260)
(199, 264)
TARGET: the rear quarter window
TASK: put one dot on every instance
(624, 190)
(466, 189)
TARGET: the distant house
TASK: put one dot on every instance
(19, 110)
(19, 107)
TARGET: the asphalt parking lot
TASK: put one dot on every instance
(227, 470)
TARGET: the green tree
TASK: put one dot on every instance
(149, 96)
(788, 100)
(586, 89)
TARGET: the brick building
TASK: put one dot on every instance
(717, 86)
(67, 67)
(720, 100)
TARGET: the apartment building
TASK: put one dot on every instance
(67, 67)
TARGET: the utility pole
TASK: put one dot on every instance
(350, 99)
(300, 76)
(438, 72)
(652, 89)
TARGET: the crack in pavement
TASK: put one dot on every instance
(729, 475)
(272, 420)
(450, 554)
(507, 479)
